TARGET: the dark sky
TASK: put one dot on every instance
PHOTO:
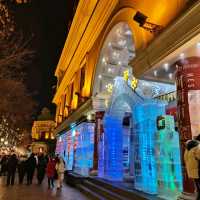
(46, 23)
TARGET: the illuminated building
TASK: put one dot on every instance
(112, 65)
(42, 134)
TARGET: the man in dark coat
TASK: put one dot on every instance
(22, 168)
(12, 165)
(31, 164)
(41, 168)
(4, 162)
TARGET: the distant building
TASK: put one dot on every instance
(43, 138)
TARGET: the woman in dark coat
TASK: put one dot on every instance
(41, 168)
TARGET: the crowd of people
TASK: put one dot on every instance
(40, 165)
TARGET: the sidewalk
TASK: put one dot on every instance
(37, 192)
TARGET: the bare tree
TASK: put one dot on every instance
(16, 103)
(15, 54)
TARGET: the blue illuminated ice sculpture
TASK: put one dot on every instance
(144, 111)
(70, 150)
(144, 119)
(169, 172)
(84, 152)
(113, 149)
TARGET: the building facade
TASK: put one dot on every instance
(127, 92)
(42, 136)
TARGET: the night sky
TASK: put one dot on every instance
(46, 23)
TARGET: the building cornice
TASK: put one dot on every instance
(82, 17)
(80, 41)
(177, 34)
(74, 117)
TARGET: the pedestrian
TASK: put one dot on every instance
(191, 158)
(22, 168)
(41, 168)
(60, 168)
(31, 164)
(12, 165)
(4, 162)
(50, 170)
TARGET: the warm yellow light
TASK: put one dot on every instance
(36, 136)
(126, 75)
(46, 135)
(134, 83)
(110, 88)
(52, 137)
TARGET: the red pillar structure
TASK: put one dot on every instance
(188, 83)
(98, 132)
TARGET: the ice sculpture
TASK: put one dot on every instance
(113, 149)
(61, 145)
(169, 173)
(144, 119)
(84, 150)
(70, 149)
(126, 132)
(144, 111)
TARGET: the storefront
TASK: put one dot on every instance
(76, 147)
(140, 108)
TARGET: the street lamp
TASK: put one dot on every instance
(2, 139)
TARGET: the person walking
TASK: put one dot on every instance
(12, 165)
(22, 168)
(50, 170)
(31, 165)
(192, 158)
(4, 162)
(60, 168)
(41, 168)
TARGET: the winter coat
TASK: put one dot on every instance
(60, 167)
(12, 163)
(31, 163)
(192, 158)
(50, 170)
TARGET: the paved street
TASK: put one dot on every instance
(36, 192)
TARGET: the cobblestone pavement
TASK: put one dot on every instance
(37, 192)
